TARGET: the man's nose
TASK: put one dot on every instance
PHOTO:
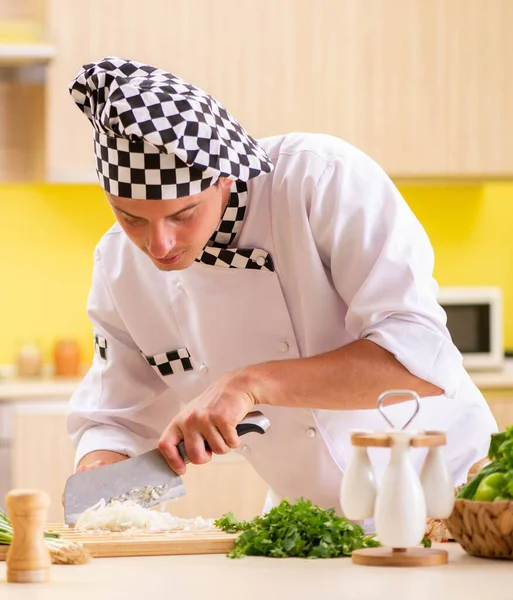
(162, 240)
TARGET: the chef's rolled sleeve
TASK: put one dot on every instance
(381, 261)
(119, 440)
(108, 411)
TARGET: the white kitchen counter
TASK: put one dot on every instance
(36, 389)
(213, 577)
(502, 379)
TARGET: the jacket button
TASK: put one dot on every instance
(203, 368)
(311, 433)
(284, 347)
(260, 261)
(179, 285)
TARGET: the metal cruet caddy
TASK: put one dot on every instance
(403, 501)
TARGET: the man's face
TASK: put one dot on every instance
(172, 232)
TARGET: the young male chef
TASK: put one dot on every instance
(286, 275)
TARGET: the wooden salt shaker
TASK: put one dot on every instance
(28, 559)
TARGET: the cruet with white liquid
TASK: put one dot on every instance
(403, 501)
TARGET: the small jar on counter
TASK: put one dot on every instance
(29, 360)
(67, 358)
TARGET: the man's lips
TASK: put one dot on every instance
(171, 260)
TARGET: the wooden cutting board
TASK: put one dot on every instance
(109, 544)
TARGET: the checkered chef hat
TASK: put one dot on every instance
(157, 137)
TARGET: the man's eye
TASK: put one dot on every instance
(132, 221)
(184, 217)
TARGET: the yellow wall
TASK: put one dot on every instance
(47, 238)
(48, 234)
(471, 229)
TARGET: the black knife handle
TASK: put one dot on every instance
(253, 422)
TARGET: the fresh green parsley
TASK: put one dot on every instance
(296, 530)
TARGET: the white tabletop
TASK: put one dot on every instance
(502, 378)
(212, 577)
(37, 389)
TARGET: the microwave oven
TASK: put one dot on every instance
(475, 322)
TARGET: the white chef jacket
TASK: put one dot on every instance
(351, 262)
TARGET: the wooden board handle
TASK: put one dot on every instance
(28, 559)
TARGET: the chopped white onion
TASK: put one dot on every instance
(129, 516)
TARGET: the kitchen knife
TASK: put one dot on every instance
(146, 479)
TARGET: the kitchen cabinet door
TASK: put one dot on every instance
(501, 405)
(227, 483)
(23, 9)
(42, 455)
(21, 142)
(425, 86)
(22, 95)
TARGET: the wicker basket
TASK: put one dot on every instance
(483, 529)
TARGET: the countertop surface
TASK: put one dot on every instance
(212, 577)
(502, 378)
(37, 389)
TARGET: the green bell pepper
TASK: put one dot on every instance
(492, 487)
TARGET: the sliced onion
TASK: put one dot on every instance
(129, 516)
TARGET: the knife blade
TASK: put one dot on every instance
(146, 479)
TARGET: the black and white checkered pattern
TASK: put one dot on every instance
(100, 346)
(158, 137)
(233, 216)
(171, 362)
(237, 258)
(218, 254)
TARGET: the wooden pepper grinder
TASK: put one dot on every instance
(28, 559)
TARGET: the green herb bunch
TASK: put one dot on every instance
(296, 530)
